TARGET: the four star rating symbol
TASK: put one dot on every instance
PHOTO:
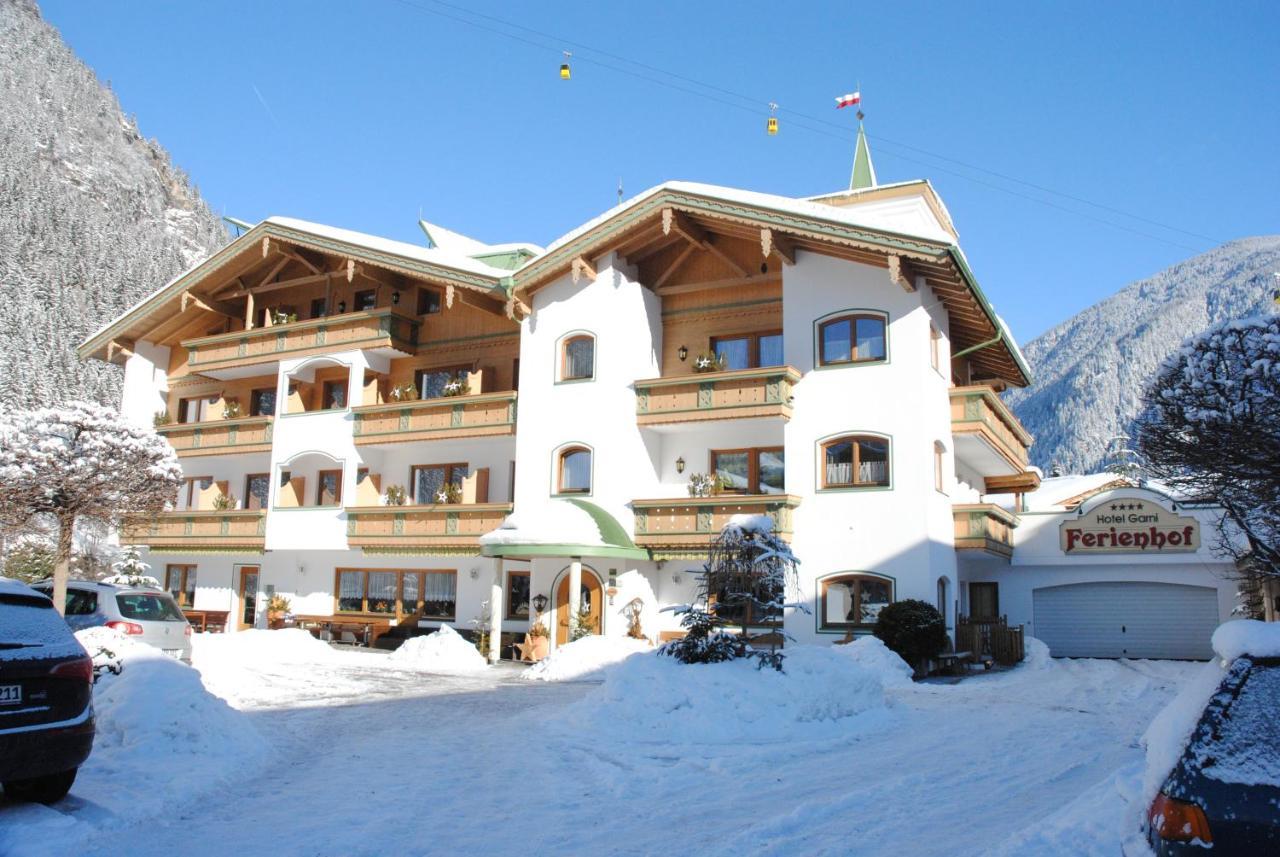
(1121, 507)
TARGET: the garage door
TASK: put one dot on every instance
(1126, 620)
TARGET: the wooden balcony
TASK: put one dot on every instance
(988, 435)
(239, 530)
(219, 437)
(453, 528)
(732, 395)
(984, 527)
(378, 328)
(484, 415)
(683, 527)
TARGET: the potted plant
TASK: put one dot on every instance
(232, 410)
(403, 392)
(708, 362)
(394, 495)
(282, 317)
(706, 484)
(449, 493)
(456, 385)
(277, 608)
(161, 418)
(536, 643)
(224, 503)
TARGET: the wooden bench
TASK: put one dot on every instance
(363, 631)
(207, 621)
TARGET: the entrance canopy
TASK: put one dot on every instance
(568, 527)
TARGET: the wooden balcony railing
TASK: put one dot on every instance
(985, 527)
(219, 437)
(453, 528)
(377, 328)
(225, 530)
(735, 394)
(682, 527)
(978, 411)
(483, 415)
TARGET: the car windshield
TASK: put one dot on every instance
(1244, 747)
(148, 607)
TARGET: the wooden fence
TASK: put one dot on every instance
(991, 637)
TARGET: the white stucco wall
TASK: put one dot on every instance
(146, 382)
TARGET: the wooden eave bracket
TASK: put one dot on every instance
(580, 268)
(119, 350)
(209, 305)
(516, 308)
(771, 242)
(900, 272)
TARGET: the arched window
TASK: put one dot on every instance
(578, 357)
(856, 337)
(574, 471)
(942, 598)
(853, 600)
(855, 461)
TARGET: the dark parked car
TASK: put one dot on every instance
(1224, 793)
(46, 697)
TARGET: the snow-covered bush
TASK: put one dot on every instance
(130, 570)
(872, 653)
(914, 629)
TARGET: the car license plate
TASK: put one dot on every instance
(10, 694)
(174, 653)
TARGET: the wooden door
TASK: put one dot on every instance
(248, 592)
(590, 596)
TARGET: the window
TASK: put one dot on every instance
(180, 582)
(935, 348)
(428, 301)
(428, 480)
(939, 451)
(148, 607)
(318, 308)
(262, 403)
(942, 598)
(853, 600)
(575, 471)
(855, 461)
(851, 339)
(366, 299)
(750, 471)
(749, 350)
(431, 382)
(743, 612)
(518, 595)
(429, 594)
(578, 360)
(329, 488)
(257, 487)
(189, 410)
(334, 395)
(196, 484)
(984, 600)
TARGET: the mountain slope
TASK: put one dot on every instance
(1090, 370)
(92, 216)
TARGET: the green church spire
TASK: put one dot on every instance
(864, 172)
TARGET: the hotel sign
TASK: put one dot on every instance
(1129, 525)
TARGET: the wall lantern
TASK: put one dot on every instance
(342, 307)
(680, 464)
(683, 353)
(475, 574)
(539, 602)
(395, 299)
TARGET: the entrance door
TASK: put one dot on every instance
(590, 597)
(248, 596)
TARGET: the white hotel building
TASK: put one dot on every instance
(303, 373)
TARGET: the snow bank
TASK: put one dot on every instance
(287, 645)
(443, 651)
(659, 699)
(872, 653)
(1247, 637)
(1168, 733)
(585, 658)
(1036, 654)
(162, 739)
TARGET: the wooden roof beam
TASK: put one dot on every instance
(900, 272)
(674, 221)
(209, 305)
(480, 301)
(675, 264)
(119, 350)
(580, 268)
(297, 255)
(271, 275)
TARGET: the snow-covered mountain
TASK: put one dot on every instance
(92, 216)
(1090, 370)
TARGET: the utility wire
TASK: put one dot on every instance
(751, 105)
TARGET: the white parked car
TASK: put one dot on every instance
(146, 614)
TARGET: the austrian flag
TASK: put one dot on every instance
(848, 100)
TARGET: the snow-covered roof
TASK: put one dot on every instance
(430, 255)
(1055, 492)
(569, 527)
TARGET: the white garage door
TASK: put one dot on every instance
(1126, 620)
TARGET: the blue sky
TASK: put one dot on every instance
(362, 115)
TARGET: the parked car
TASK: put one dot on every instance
(149, 615)
(1224, 792)
(46, 697)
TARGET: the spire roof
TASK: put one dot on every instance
(864, 172)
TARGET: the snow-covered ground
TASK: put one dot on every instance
(363, 756)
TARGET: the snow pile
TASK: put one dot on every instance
(659, 699)
(752, 523)
(872, 653)
(1247, 637)
(585, 658)
(1036, 654)
(287, 645)
(444, 651)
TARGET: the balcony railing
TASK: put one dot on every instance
(376, 328)
(453, 528)
(484, 415)
(683, 527)
(219, 437)
(977, 411)
(190, 530)
(736, 394)
(984, 527)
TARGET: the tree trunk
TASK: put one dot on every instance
(62, 562)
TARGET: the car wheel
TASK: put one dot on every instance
(48, 789)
